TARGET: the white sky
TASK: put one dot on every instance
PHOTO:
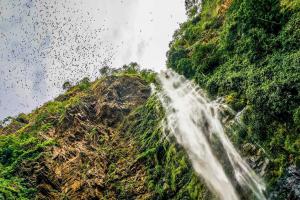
(44, 43)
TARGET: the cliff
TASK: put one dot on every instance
(248, 53)
(99, 140)
(105, 139)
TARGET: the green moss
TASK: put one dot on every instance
(13, 189)
(14, 150)
(250, 55)
(290, 4)
(169, 171)
(22, 141)
(147, 75)
(24, 145)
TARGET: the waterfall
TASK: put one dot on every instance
(194, 120)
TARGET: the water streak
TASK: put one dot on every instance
(195, 123)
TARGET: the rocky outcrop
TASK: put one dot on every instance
(117, 96)
(288, 187)
(256, 158)
(91, 158)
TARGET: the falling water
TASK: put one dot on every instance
(195, 123)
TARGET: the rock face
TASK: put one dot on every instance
(89, 148)
(288, 187)
(117, 96)
(256, 158)
(108, 143)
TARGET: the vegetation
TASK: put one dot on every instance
(248, 52)
(132, 69)
(140, 159)
(169, 171)
(21, 142)
(23, 139)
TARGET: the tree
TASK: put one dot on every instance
(67, 85)
(105, 71)
(133, 66)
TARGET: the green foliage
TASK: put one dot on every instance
(290, 5)
(205, 57)
(14, 150)
(169, 172)
(133, 69)
(22, 118)
(25, 145)
(13, 189)
(249, 54)
(296, 117)
(148, 75)
(290, 35)
(105, 71)
(67, 85)
(84, 84)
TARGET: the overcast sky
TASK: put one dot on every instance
(43, 43)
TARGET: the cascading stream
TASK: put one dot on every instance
(194, 121)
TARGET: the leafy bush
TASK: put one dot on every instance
(15, 149)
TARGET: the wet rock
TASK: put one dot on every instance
(117, 96)
(288, 186)
(249, 148)
(255, 158)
